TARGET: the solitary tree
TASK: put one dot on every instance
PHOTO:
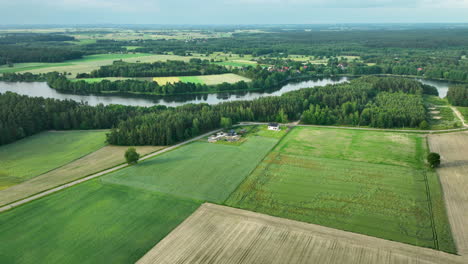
(433, 159)
(131, 156)
(423, 125)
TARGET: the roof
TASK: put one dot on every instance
(273, 124)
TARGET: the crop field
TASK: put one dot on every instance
(90, 223)
(224, 235)
(237, 63)
(200, 170)
(38, 154)
(453, 173)
(99, 160)
(367, 182)
(203, 79)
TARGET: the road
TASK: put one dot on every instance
(73, 183)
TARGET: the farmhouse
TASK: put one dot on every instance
(274, 126)
(229, 136)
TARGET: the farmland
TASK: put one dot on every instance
(200, 170)
(203, 79)
(218, 234)
(453, 172)
(345, 179)
(46, 151)
(90, 223)
(99, 160)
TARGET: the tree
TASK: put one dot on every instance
(423, 125)
(226, 122)
(131, 156)
(433, 159)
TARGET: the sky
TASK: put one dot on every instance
(231, 11)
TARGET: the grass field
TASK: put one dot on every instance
(367, 182)
(464, 112)
(99, 160)
(440, 115)
(90, 223)
(38, 154)
(203, 79)
(200, 170)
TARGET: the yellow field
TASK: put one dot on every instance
(166, 80)
(102, 159)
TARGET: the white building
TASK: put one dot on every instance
(274, 126)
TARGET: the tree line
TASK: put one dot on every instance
(156, 69)
(458, 95)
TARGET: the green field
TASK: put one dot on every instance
(32, 156)
(203, 79)
(90, 223)
(201, 170)
(368, 182)
(464, 112)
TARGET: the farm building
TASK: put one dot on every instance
(229, 136)
(273, 126)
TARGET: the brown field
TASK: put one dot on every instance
(453, 174)
(102, 159)
(218, 234)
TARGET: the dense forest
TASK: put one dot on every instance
(458, 95)
(22, 116)
(156, 69)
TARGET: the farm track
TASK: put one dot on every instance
(459, 115)
(453, 175)
(93, 176)
(219, 234)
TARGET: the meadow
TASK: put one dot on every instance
(374, 183)
(200, 170)
(464, 112)
(203, 79)
(90, 223)
(38, 154)
(103, 158)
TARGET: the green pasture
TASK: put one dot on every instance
(200, 170)
(90, 223)
(32, 156)
(464, 112)
(369, 182)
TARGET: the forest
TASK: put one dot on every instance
(156, 69)
(368, 101)
(458, 95)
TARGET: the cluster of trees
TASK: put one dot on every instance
(458, 95)
(377, 102)
(16, 54)
(156, 69)
(22, 116)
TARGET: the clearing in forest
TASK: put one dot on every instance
(38, 154)
(200, 170)
(369, 182)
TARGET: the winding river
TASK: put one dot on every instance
(37, 89)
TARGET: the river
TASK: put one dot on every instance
(38, 89)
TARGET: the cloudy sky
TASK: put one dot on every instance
(231, 11)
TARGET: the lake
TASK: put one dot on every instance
(38, 89)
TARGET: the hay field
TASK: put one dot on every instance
(453, 172)
(200, 170)
(368, 182)
(92, 62)
(38, 154)
(90, 223)
(106, 157)
(203, 79)
(223, 235)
